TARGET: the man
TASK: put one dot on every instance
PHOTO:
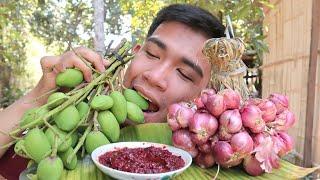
(168, 67)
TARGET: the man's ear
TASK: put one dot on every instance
(136, 48)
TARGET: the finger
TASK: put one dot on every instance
(92, 57)
(76, 62)
(106, 63)
(47, 63)
(70, 60)
(59, 67)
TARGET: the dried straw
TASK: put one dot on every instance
(228, 69)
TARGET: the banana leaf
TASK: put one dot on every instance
(161, 133)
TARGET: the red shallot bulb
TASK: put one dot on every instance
(205, 160)
(182, 139)
(198, 102)
(281, 102)
(252, 166)
(283, 121)
(259, 138)
(223, 134)
(205, 148)
(205, 94)
(231, 121)
(215, 104)
(231, 98)
(252, 118)
(203, 125)
(222, 152)
(268, 109)
(242, 143)
(179, 115)
(288, 143)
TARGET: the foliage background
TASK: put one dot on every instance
(27, 26)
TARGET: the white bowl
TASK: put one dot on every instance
(127, 175)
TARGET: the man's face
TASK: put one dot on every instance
(168, 68)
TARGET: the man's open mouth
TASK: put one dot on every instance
(153, 107)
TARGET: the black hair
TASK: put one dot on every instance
(192, 16)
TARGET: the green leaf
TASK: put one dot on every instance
(149, 132)
(287, 171)
(161, 133)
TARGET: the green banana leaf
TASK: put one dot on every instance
(161, 133)
(149, 132)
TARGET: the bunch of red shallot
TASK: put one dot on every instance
(221, 128)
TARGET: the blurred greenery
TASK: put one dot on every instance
(60, 24)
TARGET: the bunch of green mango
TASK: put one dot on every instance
(77, 118)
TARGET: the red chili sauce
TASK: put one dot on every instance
(147, 160)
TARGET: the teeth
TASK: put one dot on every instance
(144, 96)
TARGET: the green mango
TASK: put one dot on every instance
(119, 108)
(68, 118)
(64, 156)
(55, 99)
(135, 113)
(109, 125)
(95, 139)
(101, 102)
(50, 168)
(63, 144)
(69, 78)
(36, 144)
(83, 109)
(20, 149)
(74, 138)
(32, 115)
(134, 97)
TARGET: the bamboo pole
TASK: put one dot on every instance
(311, 91)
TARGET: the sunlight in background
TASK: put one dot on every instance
(35, 49)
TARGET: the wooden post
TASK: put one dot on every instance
(98, 19)
(315, 24)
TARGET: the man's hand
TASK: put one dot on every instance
(52, 65)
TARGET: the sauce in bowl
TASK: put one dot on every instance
(148, 160)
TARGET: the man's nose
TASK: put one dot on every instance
(156, 77)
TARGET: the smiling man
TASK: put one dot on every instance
(167, 68)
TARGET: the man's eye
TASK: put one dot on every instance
(184, 76)
(151, 55)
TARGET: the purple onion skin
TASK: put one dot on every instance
(268, 109)
(222, 152)
(283, 121)
(252, 118)
(231, 121)
(205, 160)
(252, 166)
(205, 147)
(242, 143)
(203, 125)
(281, 102)
(232, 98)
(288, 143)
(182, 139)
(215, 105)
(179, 115)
